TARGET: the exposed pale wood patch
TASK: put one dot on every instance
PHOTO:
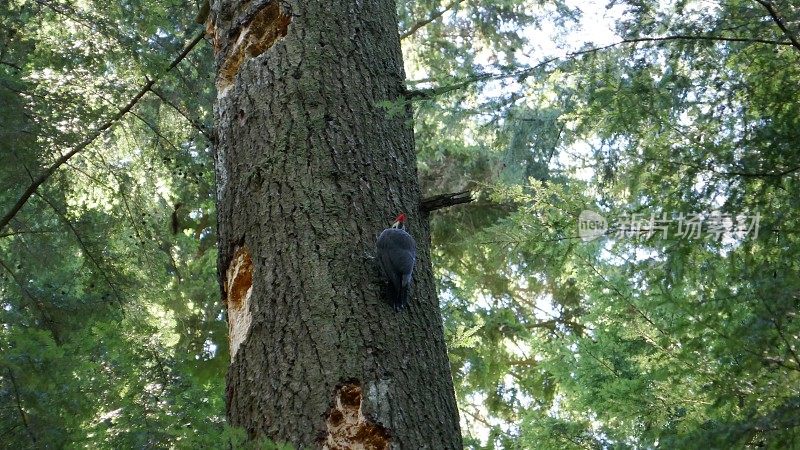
(239, 287)
(253, 38)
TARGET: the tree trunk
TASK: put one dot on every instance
(311, 165)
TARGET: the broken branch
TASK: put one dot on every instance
(445, 200)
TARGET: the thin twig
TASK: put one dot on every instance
(434, 15)
(780, 22)
(20, 232)
(738, 173)
(22, 414)
(12, 65)
(35, 302)
(194, 122)
(61, 215)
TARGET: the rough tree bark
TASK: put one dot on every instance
(310, 166)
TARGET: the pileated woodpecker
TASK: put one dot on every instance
(397, 253)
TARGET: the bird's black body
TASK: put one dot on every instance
(397, 253)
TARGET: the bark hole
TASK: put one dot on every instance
(239, 287)
(252, 39)
(348, 428)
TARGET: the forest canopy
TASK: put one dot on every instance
(627, 276)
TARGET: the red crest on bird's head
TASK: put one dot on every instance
(400, 221)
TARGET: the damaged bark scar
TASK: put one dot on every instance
(212, 33)
(252, 38)
(238, 288)
(347, 427)
(239, 277)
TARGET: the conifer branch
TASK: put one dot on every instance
(425, 94)
(94, 134)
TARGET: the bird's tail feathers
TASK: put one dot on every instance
(401, 300)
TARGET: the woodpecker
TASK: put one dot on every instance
(397, 253)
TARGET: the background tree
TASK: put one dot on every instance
(110, 323)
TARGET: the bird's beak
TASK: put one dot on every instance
(396, 224)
